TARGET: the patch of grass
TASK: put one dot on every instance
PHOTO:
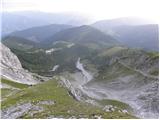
(154, 55)
(13, 84)
(155, 72)
(113, 71)
(5, 92)
(116, 103)
(61, 44)
(65, 105)
(112, 51)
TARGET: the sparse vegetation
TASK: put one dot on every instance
(65, 106)
(153, 55)
(116, 103)
(117, 72)
(155, 72)
(14, 84)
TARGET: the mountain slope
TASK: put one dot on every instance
(122, 74)
(128, 75)
(18, 43)
(122, 78)
(38, 34)
(13, 21)
(51, 100)
(83, 35)
(133, 33)
(144, 36)
(12, 68)
(112, 23)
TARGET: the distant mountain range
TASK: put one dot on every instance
(136, 33)
(15, 21)
(111, 23)
(41, 33)
(142, 36)
(131, 32)
(46, 36)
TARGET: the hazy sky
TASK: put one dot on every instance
(99, 9)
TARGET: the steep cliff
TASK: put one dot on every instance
(11, 68)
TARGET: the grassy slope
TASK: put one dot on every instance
(43, 63)
(13, 84)
(131, 57)
(114, 71)
(5, 92)
(118, 104)
(112, 51)
(51, 90)
(14, 88)
(153, 55)
(18, 43)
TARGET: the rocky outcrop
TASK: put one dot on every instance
(126, 78)
(11, 68)
(72, 90)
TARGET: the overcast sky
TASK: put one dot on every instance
(99, 9)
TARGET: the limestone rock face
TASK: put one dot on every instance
(11, 67)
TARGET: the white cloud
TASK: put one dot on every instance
(100, 9)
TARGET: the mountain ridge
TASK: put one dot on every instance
(40, 33)
(83, 34)
(143, 35)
